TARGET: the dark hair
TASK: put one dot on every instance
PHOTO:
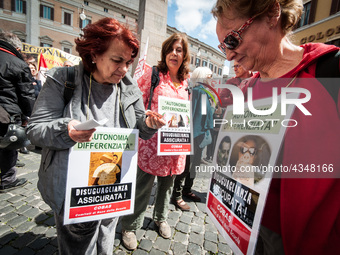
(97, 38)
(167, 48)
(225, 139)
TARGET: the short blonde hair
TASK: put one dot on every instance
(200, 74)
(291, 10)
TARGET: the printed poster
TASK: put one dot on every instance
(101, 178)
(245, 155)
(174, 137)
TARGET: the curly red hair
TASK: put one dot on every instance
(97, 38)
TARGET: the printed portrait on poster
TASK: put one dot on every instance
(223, 151)
(249, 154)
(105, 168)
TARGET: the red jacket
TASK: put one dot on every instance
(306, 212)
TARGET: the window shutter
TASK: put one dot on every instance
(335, 7)
(41, 11)
(24, 7)
(52, 13)
(1, 4)
(80, 23)
(67, 18)
(312, 11)
(13, 5)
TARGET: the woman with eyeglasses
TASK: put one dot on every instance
(301, 215)
(240, 75)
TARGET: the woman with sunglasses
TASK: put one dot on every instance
(300, 215)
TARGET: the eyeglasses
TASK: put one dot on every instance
(251, 150)
(236, 66)
(233, 39)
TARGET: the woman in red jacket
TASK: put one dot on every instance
(302, 213)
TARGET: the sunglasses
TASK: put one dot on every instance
(252, 150)
(233, 39)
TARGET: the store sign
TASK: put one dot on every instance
(321, 35)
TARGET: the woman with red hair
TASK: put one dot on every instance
(103, 89)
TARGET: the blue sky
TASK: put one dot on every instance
(194, 18)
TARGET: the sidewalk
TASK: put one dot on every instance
(27, 223)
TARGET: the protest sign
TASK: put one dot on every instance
(245, 159)
(101, 176)
(174, 138)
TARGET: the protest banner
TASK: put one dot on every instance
(52, 56)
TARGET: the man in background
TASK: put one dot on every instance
(16, 100)
(240, 75)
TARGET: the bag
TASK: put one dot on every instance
(328, 67)
(15, 137)
(69, 84)
(206, 140)
(154, 83)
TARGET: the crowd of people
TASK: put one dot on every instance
(254, 35)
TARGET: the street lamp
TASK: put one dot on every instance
(199, 51)
(82, 15)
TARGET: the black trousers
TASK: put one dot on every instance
(8, 159)
(189, 173)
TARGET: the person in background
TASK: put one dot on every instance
(201, 124)
(37, 87)
(16, 100)
(240, 75)
(226, 99)
(107, 49)
(36, 82)
(173, 70)
(301, 215)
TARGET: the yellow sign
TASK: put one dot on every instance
(53, 57)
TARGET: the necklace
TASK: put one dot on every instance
(88, 99)
(290, 83)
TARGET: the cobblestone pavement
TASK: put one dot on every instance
(27, 224)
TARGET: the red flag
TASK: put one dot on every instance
(42, 69)
(142, 65)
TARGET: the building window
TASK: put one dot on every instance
(84, 23)
(66, 46)
(18, 6)
(211, 66)
(1, 4)
(215, 69)
(204, 63)
(306, 14)
(67, 50)
(46, 12)
(123, 16)
(198, 62)
(192, 60)
(86, 3)
(106, 10)
(67, 18)
(335, 7)
(45, 45)
(219, 71)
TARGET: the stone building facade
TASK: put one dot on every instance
(56, 23)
